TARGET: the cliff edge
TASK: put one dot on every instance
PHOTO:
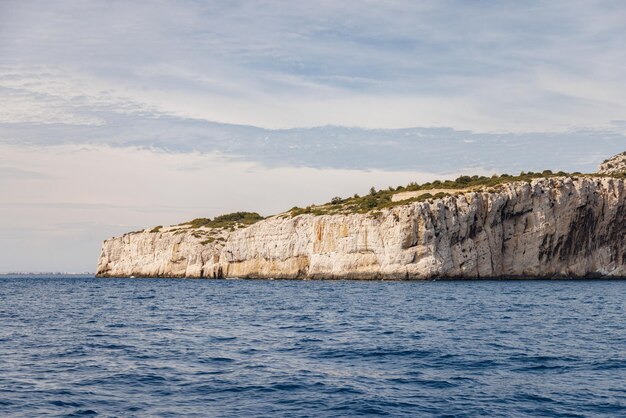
(549, 226)
(614, 165)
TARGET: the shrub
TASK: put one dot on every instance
(198, 222)
(295, 211)
(380, 199)
(242, 217)
(228, 220)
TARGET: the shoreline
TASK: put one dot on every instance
(339, 279)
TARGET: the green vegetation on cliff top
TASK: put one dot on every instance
(381, 199)
(229, 220)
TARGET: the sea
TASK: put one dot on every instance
(84, 346)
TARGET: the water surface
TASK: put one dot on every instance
(170, 347)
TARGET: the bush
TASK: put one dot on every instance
(227, 220)
(243, 217)
(376, 200)
(198, 222)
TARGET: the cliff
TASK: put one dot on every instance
(614, 165)
(565, 226)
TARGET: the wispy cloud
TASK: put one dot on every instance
(435, 150)
(516, 66)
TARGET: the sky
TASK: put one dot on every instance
(121, 115)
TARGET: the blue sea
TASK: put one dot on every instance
(81, 346)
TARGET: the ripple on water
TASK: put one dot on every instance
(82, 346)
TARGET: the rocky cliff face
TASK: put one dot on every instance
(553, 227)
(614, 165)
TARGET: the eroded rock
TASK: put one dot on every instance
(553, 227)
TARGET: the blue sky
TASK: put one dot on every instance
(123, 114)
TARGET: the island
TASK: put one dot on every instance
(533, 225)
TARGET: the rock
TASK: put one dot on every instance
(614, 165)
(551, 227)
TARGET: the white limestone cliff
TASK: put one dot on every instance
(614, 165)
(552, 227)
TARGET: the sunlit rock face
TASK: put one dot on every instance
(571, 227)
(614, 165)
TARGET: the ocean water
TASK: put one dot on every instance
(80, 346)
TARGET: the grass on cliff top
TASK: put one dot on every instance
(381, 199)
(229, 220)
(377, 199)
(614, 157)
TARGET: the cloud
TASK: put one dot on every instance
(434, 150)
(505, 66)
